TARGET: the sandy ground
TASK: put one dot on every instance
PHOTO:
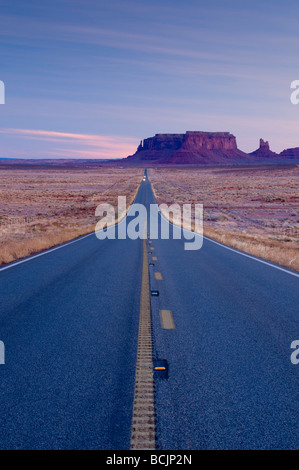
(43, 207)
(253, 209)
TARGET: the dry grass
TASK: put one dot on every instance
(254, 210)
(43, 208)
(276, 251)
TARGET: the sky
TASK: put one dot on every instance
(90, 79)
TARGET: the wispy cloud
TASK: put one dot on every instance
(136, 68)
(76, 145)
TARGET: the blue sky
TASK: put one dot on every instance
(92, 78)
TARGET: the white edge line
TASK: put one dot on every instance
(252, 257)
(50, 250)
(45, 252)
(236, 251)
(209, 239)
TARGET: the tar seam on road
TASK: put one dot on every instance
(143, 429)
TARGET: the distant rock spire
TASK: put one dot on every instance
(264, 150)
(264, 144)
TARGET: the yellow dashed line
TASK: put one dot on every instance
(158, 276)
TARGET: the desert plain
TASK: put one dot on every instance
(41, 207)
(254, 209)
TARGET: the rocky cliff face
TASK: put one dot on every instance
(202, 148)
(209, 141)
(163, 142)
(290, 153)
(190, 148)
(264, 150)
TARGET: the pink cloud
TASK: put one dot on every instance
(76, 145)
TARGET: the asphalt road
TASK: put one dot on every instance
(69, 321)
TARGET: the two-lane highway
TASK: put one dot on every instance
(69, 320)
